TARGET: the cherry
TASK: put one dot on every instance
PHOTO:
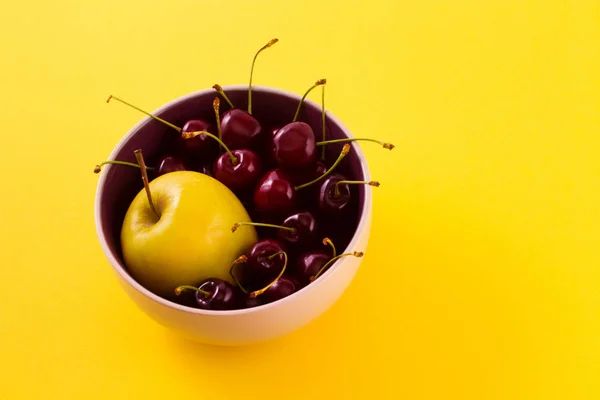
(214, 294)
(298, 230)
(251, 302)
(197, 147)
(238, 170)
(278, 288)
(282, 287)
(275, 192)
(334, 193)
(305, 229)
(240, 129)
(260, 266)
(294, 145)
(170, 163)
(309, 263)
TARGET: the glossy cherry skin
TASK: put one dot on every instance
(283, 287)
(170, 163)
(199, 145)
(239, 129)
(308, 264)
(275, 193)
(239, 176)
(223, 295)
(305, 233)
(294, 146)
(328, 201)
(259, 270)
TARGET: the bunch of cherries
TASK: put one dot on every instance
(300, 197)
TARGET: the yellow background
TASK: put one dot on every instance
(481, 280)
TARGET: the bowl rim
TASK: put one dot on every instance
(116, 265)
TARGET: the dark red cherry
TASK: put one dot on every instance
(241, 174)
(240, 130)
(308, 264)
(275, 193)
(304, 233)
(205, 169)
(251, 302)
(331, 200)
(294, 146)
(170, 163)
(214, 294)
(200, 145)
(260, 267)
(283, 287)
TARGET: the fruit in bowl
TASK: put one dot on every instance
(224, 209)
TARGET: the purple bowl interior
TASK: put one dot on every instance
(270, 107)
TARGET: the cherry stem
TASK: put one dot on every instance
(272, 256)
(219, 89)
(178, 129)
(385, 145)
(238, 224)
(334, 259)
(142, 165)
(216, 106)
(182, 288)
(98, 167)
(317, 83)
(239, 260)
(345, 150)
(337, 193)
(323, 119)
(261, 291)
(328, 242)
(189, 135)
(266, 46)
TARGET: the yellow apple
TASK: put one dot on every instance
(192, 240)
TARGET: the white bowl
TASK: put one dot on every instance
(236, 327)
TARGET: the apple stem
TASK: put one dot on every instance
(385, 145)
(219, 89)
(323, 120)
(328, 242)
(238, 224)
(261, 291)
(272, 256)
(178, 129)
(98, 167)
(345, 150)
(334, 259)
(239, 260)
(317, 83)
(266, 46)
(182, 288)
(189, 135)
(142, 164)
(336, 192)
